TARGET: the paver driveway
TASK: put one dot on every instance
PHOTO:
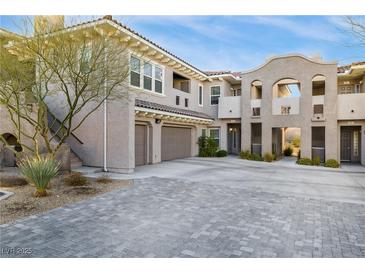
(206, 208)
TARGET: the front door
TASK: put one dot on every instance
(234, 138)
(350, 144)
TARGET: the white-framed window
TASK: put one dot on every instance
(85, 57)
(158, 79)
(200, 95)
(214, 133)
(357, 88)
(135, 75)
(215, 93)
(146, 75)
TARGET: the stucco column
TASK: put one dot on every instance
(223, 137)
(306, 142)
(245, 135)
(266, 138)
(156, 142)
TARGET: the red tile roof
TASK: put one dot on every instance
(343, 69)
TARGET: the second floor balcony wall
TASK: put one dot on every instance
(285, 106)
(351, 106)
(229, 107)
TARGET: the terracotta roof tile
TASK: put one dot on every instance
(160, 107)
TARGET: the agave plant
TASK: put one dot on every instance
(39, 171)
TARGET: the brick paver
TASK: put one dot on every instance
(161, 217)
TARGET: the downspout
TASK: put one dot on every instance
(105, 112)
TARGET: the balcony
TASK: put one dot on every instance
(229, 107)
(285, 106)
(318, 108)
(351, 106)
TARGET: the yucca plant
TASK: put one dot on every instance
(39, 171)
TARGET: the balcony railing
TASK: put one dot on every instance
(229, 107)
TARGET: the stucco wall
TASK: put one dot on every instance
(303, 70)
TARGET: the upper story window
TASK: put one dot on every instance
(158, 79)
(177, 100)
(147, 76)
(357, 88)
(180, 82)
(149, 79)
(215, 93)
(85, 58)
(186, 102)
(200, 96)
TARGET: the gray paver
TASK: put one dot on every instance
(175, 217)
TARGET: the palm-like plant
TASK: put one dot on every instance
(39, 171)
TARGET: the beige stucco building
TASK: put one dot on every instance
(171, 103)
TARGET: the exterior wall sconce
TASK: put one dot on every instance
(157, 121)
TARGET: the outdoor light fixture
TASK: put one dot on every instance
(157, 121)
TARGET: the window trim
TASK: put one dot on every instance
(141, 75)
(200, 95)
(220, 93)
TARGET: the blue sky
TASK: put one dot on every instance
(239, 43)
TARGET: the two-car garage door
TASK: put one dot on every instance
(175, 143)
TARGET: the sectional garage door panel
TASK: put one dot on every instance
(175, 143)
(140, 145)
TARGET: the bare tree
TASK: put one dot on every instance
(79, 67)
(357, 28)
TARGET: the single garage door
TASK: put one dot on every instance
(175, 143)
(140, 145)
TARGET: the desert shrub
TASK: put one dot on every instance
(245, 154)
(104, 179)
(268, 157)
(304, 161)
(316, 161)
(221, 153)
(255, 157)
(75, 179)
(288, 151)
(39, 171)
(207, 146)
(332, 163)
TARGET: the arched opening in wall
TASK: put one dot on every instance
(256, 96)
(286, 97)
(8, 155)
(318, 92)
(286, 141)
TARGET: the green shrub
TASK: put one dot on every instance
(39, 171)
(255, 157)
(245, 154)
(288, 151)
(332, 163)
(316, 161)
(296, 141)
(207, 146)
(298, 156)
(221, 153)
(268, 157)
(75, 179)
(304, 161)
(104, 179)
